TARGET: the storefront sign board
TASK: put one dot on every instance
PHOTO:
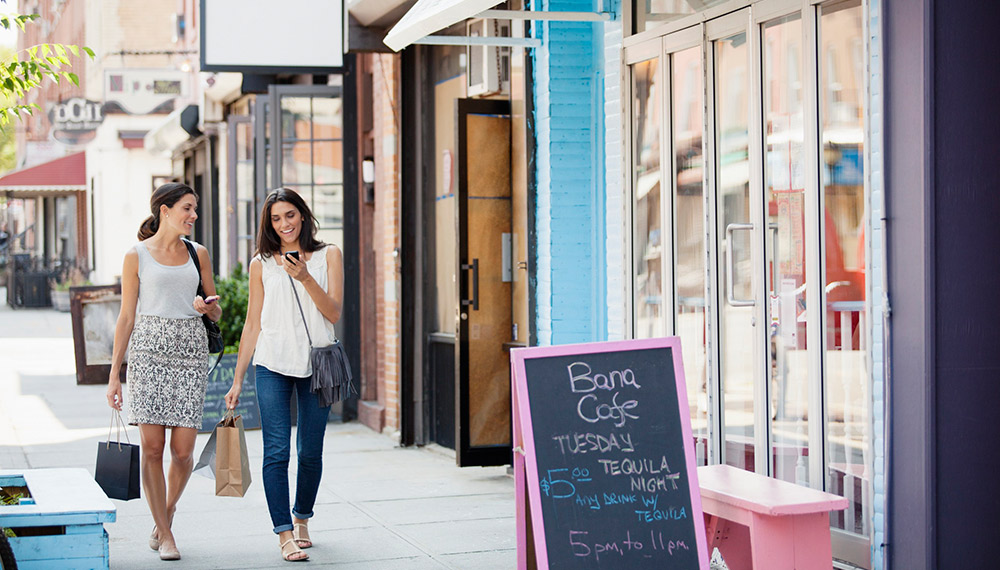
(604, 457)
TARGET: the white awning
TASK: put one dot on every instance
(377, 13)
(178, 127)
(429, 16)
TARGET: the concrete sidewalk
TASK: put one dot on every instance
(379, 506)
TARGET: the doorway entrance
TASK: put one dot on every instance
(469, 370)
(484, 284)
(299, 143)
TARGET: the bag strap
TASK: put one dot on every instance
(201, 293)
(116, 415)
(197, 265)
(301, 312)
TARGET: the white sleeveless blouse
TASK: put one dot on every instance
(282, 345)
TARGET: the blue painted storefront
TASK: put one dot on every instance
(579, 203)
(571, 164)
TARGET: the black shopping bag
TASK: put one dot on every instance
(117, 469)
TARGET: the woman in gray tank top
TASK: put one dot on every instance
(160, 321)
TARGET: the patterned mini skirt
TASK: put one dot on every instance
(167, 371)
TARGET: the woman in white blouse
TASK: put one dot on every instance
(276, 338)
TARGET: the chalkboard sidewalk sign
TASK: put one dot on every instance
(604, 457)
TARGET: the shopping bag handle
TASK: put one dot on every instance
(116, 415)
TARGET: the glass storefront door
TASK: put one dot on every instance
(734, 197)
(748, 240)
(690, 312)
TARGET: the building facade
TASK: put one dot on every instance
(136, 77)
(798, 189)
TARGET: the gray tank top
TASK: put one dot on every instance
(166, 291)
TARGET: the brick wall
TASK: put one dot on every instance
(385, 115)
(62, 24)
(614, 176)
(570, 226)
(876, 272)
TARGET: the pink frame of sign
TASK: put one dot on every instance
(525, 461)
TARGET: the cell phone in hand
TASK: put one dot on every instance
(294, 254)
(211, 299)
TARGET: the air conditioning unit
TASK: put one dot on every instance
(488, 70)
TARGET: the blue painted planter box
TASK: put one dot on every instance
(68, 515)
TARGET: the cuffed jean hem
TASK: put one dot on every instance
(282, 528)
(302, 516)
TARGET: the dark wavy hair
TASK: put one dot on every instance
(166, 195)
(268, 242)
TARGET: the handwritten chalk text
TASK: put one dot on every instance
(575, 443)
(584, 547)
(592, 412)
(581, 380)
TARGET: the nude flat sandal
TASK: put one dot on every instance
(300, 533)
(292, 551)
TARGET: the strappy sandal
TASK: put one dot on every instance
(300, 534)
(287, 554)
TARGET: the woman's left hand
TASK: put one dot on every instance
(296, 268)
(206, 306)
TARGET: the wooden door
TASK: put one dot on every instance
(483, 309)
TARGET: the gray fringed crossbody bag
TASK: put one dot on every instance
(331, 377)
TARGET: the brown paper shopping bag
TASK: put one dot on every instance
(232, 465)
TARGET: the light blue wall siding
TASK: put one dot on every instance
(571, 259)
(876, 273)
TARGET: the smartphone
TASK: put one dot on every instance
(211, 299)
(294, 254)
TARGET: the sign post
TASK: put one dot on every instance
(604, 457)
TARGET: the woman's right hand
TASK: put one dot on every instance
(115, 392)
(233, 396)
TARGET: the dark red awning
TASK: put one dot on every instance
(66, 174)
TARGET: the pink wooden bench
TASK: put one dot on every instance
(761, 523)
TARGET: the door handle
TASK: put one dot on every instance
(775, 257)
(474, 266)
(730, 266)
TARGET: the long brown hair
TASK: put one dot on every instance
(268, 242)
(166, 195)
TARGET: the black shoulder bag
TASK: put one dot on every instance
(215, 344)
(331, 377)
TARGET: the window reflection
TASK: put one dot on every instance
(785, 187)
(652, 13)
(312, 158)
(647, 250)
(689, 222)
(246, 212)
(733, 195)
(841, 83)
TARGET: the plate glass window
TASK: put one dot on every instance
(647, 251)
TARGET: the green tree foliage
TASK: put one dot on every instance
(26, 70)
(8, 142)
(233, 293)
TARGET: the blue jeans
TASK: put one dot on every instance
(274, 394)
